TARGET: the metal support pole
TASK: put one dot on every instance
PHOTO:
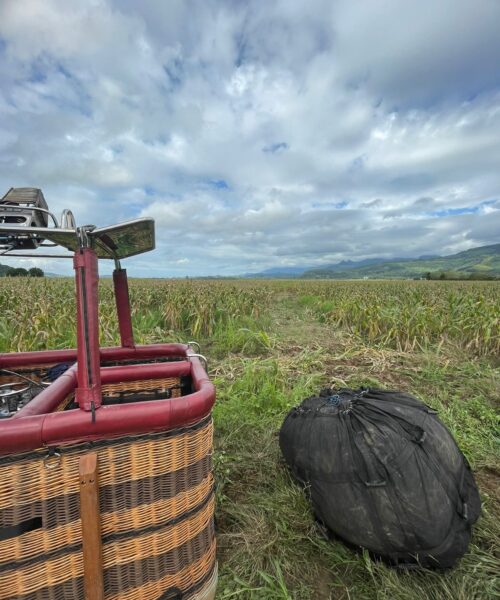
(122, 299)
(88, 392)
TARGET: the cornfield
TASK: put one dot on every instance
(405, 315)
(409, 315)
(273, 343)
(40, 313)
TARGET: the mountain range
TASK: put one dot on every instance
(483, 260)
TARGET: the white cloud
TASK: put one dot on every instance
(259, 133)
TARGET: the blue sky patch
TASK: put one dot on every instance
(466, 210)
(451, 212)
(275, 148)
(174, 72)
(219, 184)
(325, 205)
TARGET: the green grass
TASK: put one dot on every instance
(271, 344)
(269, 546)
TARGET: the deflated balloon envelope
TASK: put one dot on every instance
(383, 473)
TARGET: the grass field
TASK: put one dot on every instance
(271, 344)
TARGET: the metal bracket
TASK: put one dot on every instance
(200, 357)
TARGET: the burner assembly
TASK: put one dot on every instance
(19, 388)
(24, 207)
(13, 396)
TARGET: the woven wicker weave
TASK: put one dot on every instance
(65, 403)
(156, 503)
(143, 385)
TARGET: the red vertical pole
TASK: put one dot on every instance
(123, 307)
(88, 392)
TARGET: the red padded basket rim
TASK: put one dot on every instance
(36, 429)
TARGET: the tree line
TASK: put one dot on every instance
(461, 276)
(20, 272)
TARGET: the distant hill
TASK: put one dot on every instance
(292, 272)
(484, 260)
(278, 273)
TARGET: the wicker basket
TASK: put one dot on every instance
(156, 502)
(139, 390)
(144, 389)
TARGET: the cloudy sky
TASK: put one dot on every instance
(260, 133)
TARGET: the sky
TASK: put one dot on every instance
(258, 133)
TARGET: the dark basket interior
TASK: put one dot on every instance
(142, 390)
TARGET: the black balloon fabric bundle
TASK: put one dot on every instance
(383, 473)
